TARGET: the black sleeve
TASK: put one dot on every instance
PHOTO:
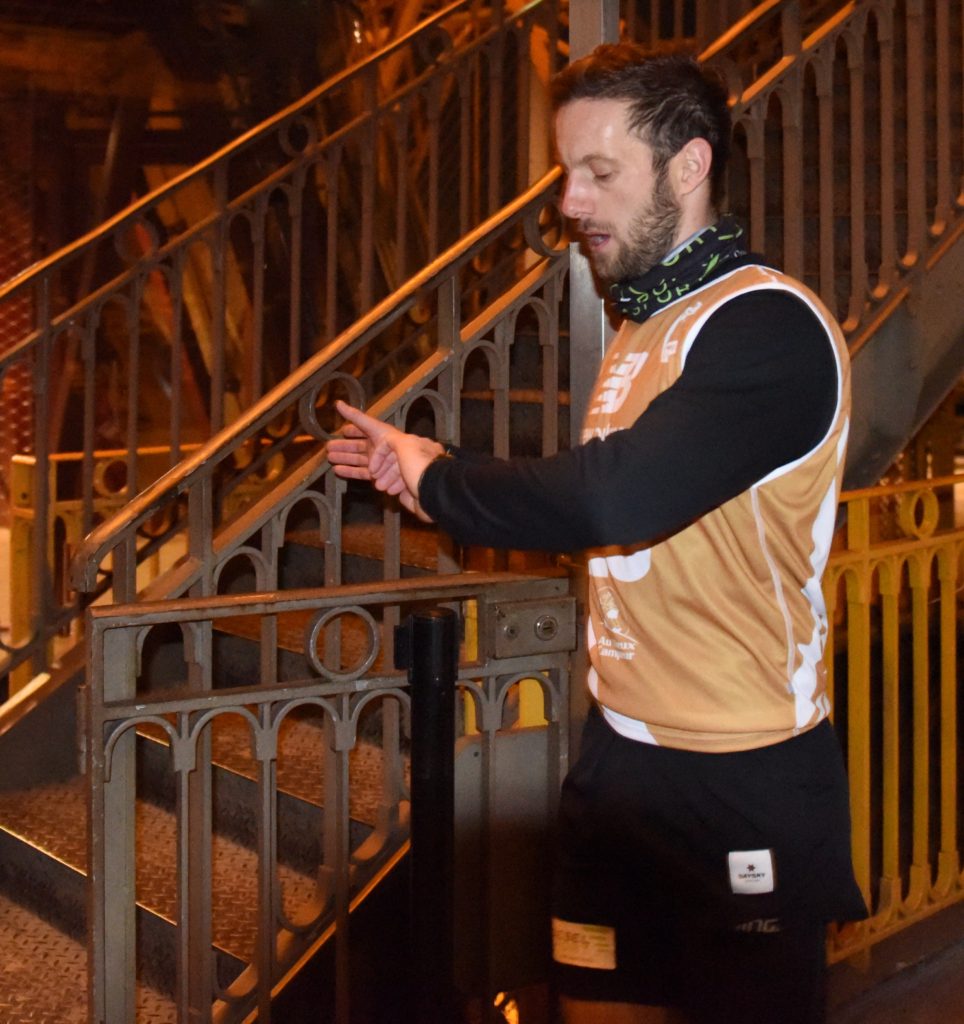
(758, 390)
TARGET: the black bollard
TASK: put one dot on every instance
(427, 645)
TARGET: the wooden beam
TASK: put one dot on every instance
(79, 63)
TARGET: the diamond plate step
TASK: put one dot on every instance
(43, 865)
(43, 975)
(43, 844)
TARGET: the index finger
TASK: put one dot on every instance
(360, 420)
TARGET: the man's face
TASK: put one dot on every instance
(627, 215)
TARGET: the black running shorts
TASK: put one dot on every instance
(704, 881)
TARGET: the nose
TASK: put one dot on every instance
(575, 202)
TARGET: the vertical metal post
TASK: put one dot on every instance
(590, 22)
(427, 645)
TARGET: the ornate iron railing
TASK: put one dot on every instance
(67, 513)
(482, 330)
(658, 22)
(456, 308)
(182, 311)
(895, 598)
(245, 912)
(478, 323)
(849, 156)
(860, 226)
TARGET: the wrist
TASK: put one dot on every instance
(443, 455)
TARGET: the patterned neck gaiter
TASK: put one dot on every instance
(639, 298)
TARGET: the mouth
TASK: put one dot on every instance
(594, 238)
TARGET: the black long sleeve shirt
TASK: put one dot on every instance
(758, 391)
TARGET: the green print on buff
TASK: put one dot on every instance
(679, 273)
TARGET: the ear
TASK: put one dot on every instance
(691, 166)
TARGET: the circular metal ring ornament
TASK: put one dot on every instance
(314, 632)
(297, 136)
(137, 240)
(918, 513)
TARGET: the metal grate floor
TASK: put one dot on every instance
(43, 975)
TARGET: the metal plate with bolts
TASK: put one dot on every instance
(533, 627)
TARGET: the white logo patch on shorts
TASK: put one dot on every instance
(751, 871)
(584, 945)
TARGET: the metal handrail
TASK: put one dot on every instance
(435, 296)
(867, 278)
(137, 208)
(737, 32)
(135, 213)
(748, 113)
(866, 282)
(200, 466)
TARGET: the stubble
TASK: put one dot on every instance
(650, 237)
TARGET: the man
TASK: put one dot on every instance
(704, 830)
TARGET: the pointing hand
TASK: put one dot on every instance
(391, 459)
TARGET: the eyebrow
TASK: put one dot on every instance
(596, 157)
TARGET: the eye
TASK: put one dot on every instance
(603, 176)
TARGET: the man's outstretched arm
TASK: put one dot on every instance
(752, 398)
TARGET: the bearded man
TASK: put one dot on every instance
(704, 830)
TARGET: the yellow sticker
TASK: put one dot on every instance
(584, 945)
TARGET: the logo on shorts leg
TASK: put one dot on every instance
(584, 945)
(761, 925)
(751, 871)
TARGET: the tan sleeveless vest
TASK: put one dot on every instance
(713, 639)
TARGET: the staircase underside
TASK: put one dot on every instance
(908, 365)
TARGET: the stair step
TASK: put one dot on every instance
(44, 975)
(367, 540)
(51, 821)
(363, 549)
(43, 848)
(292, 634)
(300, 774)
(419, 545)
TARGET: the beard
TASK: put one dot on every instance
(650, 236)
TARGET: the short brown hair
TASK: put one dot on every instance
(672, 99)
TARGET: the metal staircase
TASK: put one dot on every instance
(220, 283)
(458, 348)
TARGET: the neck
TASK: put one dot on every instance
(692, 222)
